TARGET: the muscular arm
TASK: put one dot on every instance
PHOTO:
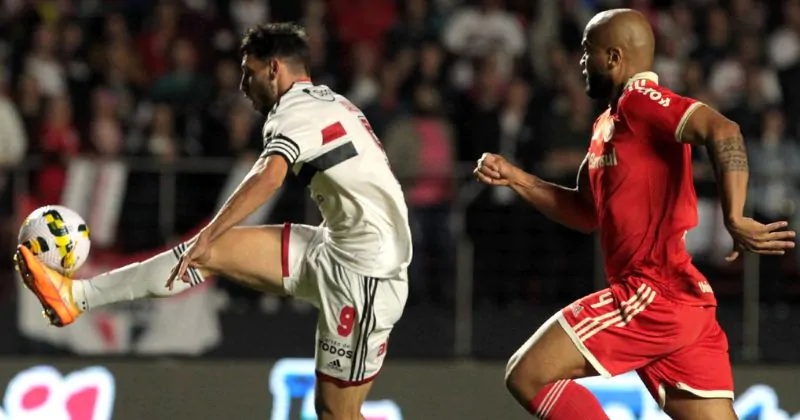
(258, 186)
(725, 145)
(572, 207)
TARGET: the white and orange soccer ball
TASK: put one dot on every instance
(58, 236)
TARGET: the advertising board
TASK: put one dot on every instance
(103, 389)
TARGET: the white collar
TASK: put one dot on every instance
(645, 75)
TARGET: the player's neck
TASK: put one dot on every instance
(616, 93)
(289, 81)
(619, 88)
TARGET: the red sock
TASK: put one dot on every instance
(566, 400)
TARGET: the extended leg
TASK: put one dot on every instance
(336, 402)
(250, 256)
(684, 405)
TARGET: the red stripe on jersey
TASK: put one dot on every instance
(332, 132)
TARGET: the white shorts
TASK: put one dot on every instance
(356, 312)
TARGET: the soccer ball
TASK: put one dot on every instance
(58, 236)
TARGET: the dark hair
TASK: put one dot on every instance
(284, 40)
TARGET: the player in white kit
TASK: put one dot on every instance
(352, 267)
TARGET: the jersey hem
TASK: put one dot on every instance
(582, 347)
(342, 383)
(704, 393)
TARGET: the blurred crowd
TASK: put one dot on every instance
(441, 81)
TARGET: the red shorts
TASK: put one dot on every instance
(631, 327)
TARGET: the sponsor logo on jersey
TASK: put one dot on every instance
(329, 346)
(640, 86)
(321, 93)
(335, 365)
(606, 159)
(705, 287)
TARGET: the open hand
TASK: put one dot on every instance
(750, 235)
(198, 253)
(494, 170)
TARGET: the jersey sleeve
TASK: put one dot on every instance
(663, 112)
(291, 136)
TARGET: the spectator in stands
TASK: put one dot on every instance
(421, 151)
(716, 42)
(728, 78)
(183, 86)
(13, 144)
(59, 141)
(364, 85)
(563, 131)
(775, 162)
(389, 105)
(358, 21)
(106, 135)
(478, 30)
(155, 42)
(162, 141)
(73, 55)
(43, 64)
(30, 102)
(419, 21)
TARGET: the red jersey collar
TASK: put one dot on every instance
(648, 76)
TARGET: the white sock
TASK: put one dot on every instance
(144, 279)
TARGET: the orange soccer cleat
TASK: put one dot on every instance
(53, 290)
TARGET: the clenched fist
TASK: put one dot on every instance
(494, 170)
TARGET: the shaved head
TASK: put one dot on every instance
(617, 44)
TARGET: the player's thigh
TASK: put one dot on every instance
(334, 402)
(697, 378)
(606, 333)
(251, 255)
(547, 356)
(683, 405)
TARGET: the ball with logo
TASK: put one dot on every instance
(58, 236)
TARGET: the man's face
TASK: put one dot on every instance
(258, 84)
(599, 84)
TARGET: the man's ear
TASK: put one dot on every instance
(614, 57)
(272, 67)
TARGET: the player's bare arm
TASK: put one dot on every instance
(725, 145)
(571, 207)
(260, 184)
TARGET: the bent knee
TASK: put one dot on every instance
(510, 368)
(525, 377)
(521, 379)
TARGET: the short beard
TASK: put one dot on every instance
(599, 87)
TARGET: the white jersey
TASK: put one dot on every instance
(331, 147)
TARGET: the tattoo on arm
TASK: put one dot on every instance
(728, 154)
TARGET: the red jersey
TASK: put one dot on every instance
(644, 196)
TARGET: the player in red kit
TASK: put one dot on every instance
(658, 317)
